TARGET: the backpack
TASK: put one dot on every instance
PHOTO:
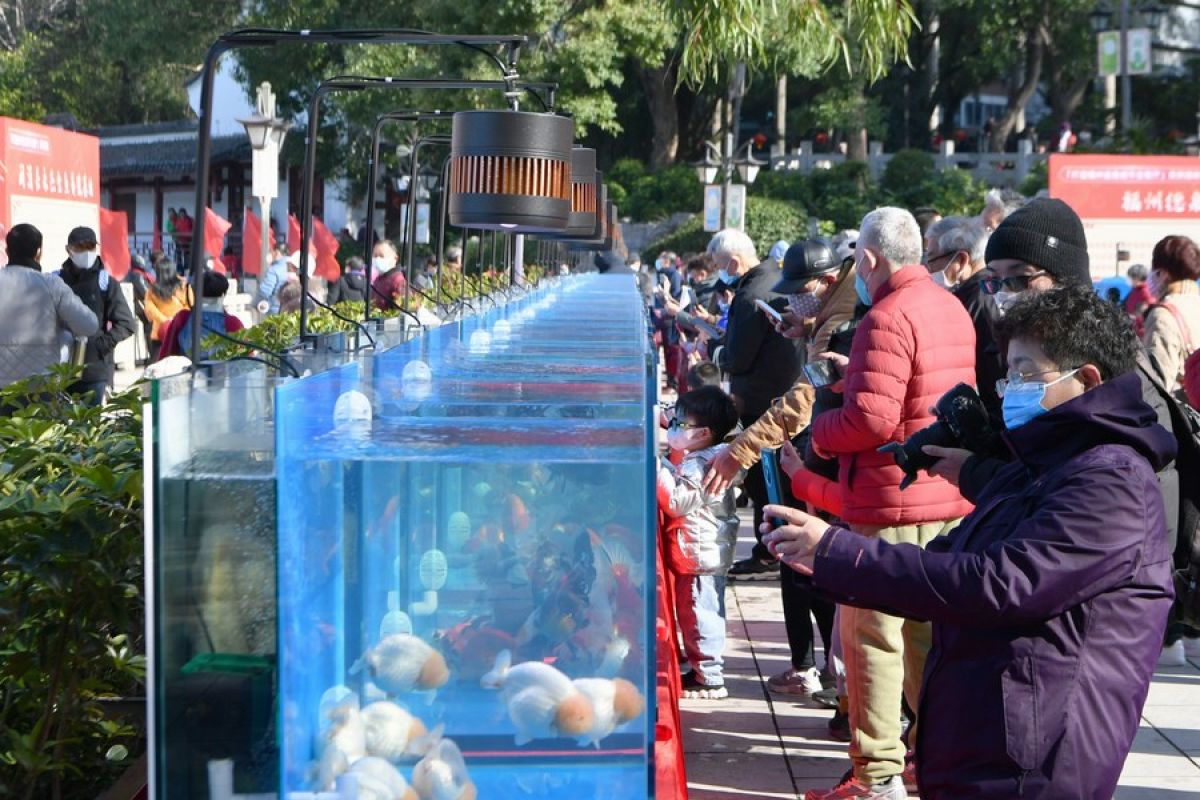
(212, 322)
(1185, 425)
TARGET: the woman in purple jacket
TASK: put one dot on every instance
(1049, 601)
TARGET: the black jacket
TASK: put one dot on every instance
(350, 288)
(761, 364)
(989, 360)
(100, 292)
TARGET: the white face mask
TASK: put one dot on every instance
(84, 259)
(1004, 300)
(1155, 285)
(381, 264)
(686, 439)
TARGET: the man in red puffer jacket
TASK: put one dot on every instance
(915, 344)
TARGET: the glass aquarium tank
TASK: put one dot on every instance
(460, 534)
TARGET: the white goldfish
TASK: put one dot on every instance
(541, 701)
(614, 702)
(442, 774)
(392, 733)
(379, 780)
(403, 663)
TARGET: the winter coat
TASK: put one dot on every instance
(176, 343)
(989, 362)
(350, 288)
(270, 284)
(1048, 605)
(160, 311)
(793, 412)
(35, 309)
(388, 289)
(761, 364)
(914, 345)
(701, 528)
(102, 293)
(1168, 342)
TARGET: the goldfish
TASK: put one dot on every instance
(614, 702)
(403, 663)
(442, 774)
(391, 733)
(379, 780)
(518, 514)
(341, 744)
(541, 701)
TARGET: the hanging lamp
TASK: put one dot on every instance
(511, 170)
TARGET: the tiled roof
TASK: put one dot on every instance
(171, 157)
(145, 129)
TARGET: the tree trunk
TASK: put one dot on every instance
(659, 85)
(1035, 54)
(856, 144)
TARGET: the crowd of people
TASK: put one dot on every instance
(980, 505)
(77, 313)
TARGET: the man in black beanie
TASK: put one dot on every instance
(1038, 247)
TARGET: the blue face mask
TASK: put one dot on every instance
(726, 278)
(1023, 401)
(860, 286)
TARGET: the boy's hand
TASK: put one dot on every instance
(795, 541)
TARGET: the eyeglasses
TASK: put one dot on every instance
(948, 254)
(1016, 379)
(1013, 283)
(676, 422)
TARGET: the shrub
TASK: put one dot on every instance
(905, 178)
(71, 606)
(767, 221)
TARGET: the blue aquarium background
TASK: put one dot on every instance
(480, 493)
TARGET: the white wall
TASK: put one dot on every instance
(230, 102)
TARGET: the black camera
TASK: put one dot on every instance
(962, 422)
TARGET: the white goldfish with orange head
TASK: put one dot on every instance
(442, 774)
(541, 701)
(614, 703)
(403, 663)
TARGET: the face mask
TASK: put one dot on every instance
(1004, 300)
(381, 264)
(726, 278)
(1023, 401)
(804, 305)
(860, 286)
(685, 438)
(84, 259)
(940, 279)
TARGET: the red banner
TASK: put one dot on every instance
(252, 243)
(114, 242)
(1127, 187)
(294, 234)
(327, 248)
(215, 228)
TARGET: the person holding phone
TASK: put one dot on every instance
(761, 364)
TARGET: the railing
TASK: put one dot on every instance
(994, 169)
(144, 243)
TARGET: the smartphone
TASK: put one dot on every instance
(770, 312)
(774, 480)
(820, 373)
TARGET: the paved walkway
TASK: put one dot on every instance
(755, 744)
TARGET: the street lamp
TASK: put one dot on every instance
(1101, 20)
(266, 134)
(717, 163)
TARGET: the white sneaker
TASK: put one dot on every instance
(1173, 655)
(1191, 648)
(794, 681)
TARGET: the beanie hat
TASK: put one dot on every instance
(1045, 233)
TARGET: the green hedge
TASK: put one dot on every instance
(767, 221)
(651, 196)
(72, 613)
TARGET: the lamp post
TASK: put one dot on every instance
(1101, 18)
(723, 163)
(266, 134)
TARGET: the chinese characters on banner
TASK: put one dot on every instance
(1129, 200)
(50, 179)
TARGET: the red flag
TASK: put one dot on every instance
(294, 234)
(327, 249)
(252, 243)
(114, 242)
(215, 228)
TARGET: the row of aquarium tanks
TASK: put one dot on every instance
(419, 571)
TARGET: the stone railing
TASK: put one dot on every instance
(994, 169)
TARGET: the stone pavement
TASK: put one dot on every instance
(755, 744)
